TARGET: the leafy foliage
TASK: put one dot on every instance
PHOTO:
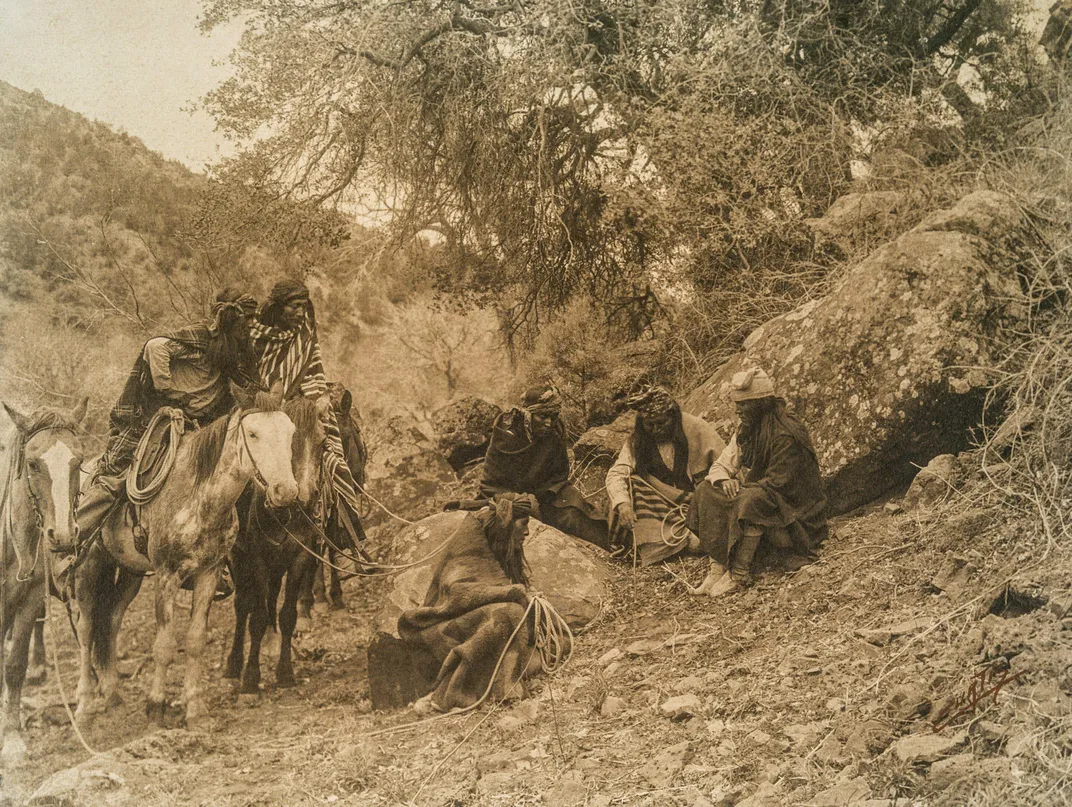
(565, 149)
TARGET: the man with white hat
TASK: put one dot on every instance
(765, 483)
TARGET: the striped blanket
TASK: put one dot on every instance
(293, 358)
(662, 512)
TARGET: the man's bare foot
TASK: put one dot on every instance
(724, 585)
(716, 573)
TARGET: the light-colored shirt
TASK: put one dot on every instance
(728, 464)
(178, 371)
(704, 444)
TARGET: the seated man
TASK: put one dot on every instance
(527, 454)
(473, 625)
(766, 483)
(651, 484)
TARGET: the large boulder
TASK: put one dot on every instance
(857, 218)
(888, 370)
(463, 429)
(406, 474)
(596, 451)
(566, 571)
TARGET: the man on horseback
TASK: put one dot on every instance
(190, 369)
(287, 350)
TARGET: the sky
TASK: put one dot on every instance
(138, 65)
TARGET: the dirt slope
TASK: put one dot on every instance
(817, 687)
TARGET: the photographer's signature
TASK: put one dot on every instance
(986, 682)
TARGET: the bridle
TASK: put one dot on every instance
(257, 475)
(17, 470)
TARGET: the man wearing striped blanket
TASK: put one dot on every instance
(651, 484)
(288, 350)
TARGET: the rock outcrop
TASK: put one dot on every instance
(463, 428)
(596, 451)
(889, 370)
(406, 474)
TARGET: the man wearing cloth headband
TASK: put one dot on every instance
(287, 348)
(527, 454)
(765, 484)
(652, 482)
(190, 369)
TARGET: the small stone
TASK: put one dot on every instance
(852, 792)
(759, 737)
(611, 707)
(892, 508)
(608, 657)
(926, 747)
(661, 771)
(611, 668)
(567, 791)
(945, 772)
(643, 646)
(689, 683)
(681, 707)
(831, 753)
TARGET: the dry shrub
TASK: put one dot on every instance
(1029, 454)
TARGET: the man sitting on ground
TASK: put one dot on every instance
(766, 483)
(651, 484)
(527, 454)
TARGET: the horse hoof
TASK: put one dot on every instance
(233, 672)
(155, 710)
(13, 753)
(250, 688)
(337, 605)
(285, 681)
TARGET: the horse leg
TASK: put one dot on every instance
(126, 588)
(167, 586)
(298, 576)
(93, 597)
(335, 602)
(196, 637)
(13, 751)
(242, 609)
(318, 595)
(258, 624)
(37, 671)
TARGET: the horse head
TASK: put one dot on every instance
(49, 453)
(307, 448)
(267, 434)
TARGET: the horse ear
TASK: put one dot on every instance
(243, 398)
(347, 402)
(78, 414)
(276, 390)
(22, 423)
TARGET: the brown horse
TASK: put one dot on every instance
(40, 493)
(269, 548)
(191, 526)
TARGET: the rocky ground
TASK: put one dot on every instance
(819, 687)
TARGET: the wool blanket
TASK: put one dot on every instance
(471, 610)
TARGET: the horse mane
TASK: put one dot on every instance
(207, 443)
(302, 413)
(207, 447)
